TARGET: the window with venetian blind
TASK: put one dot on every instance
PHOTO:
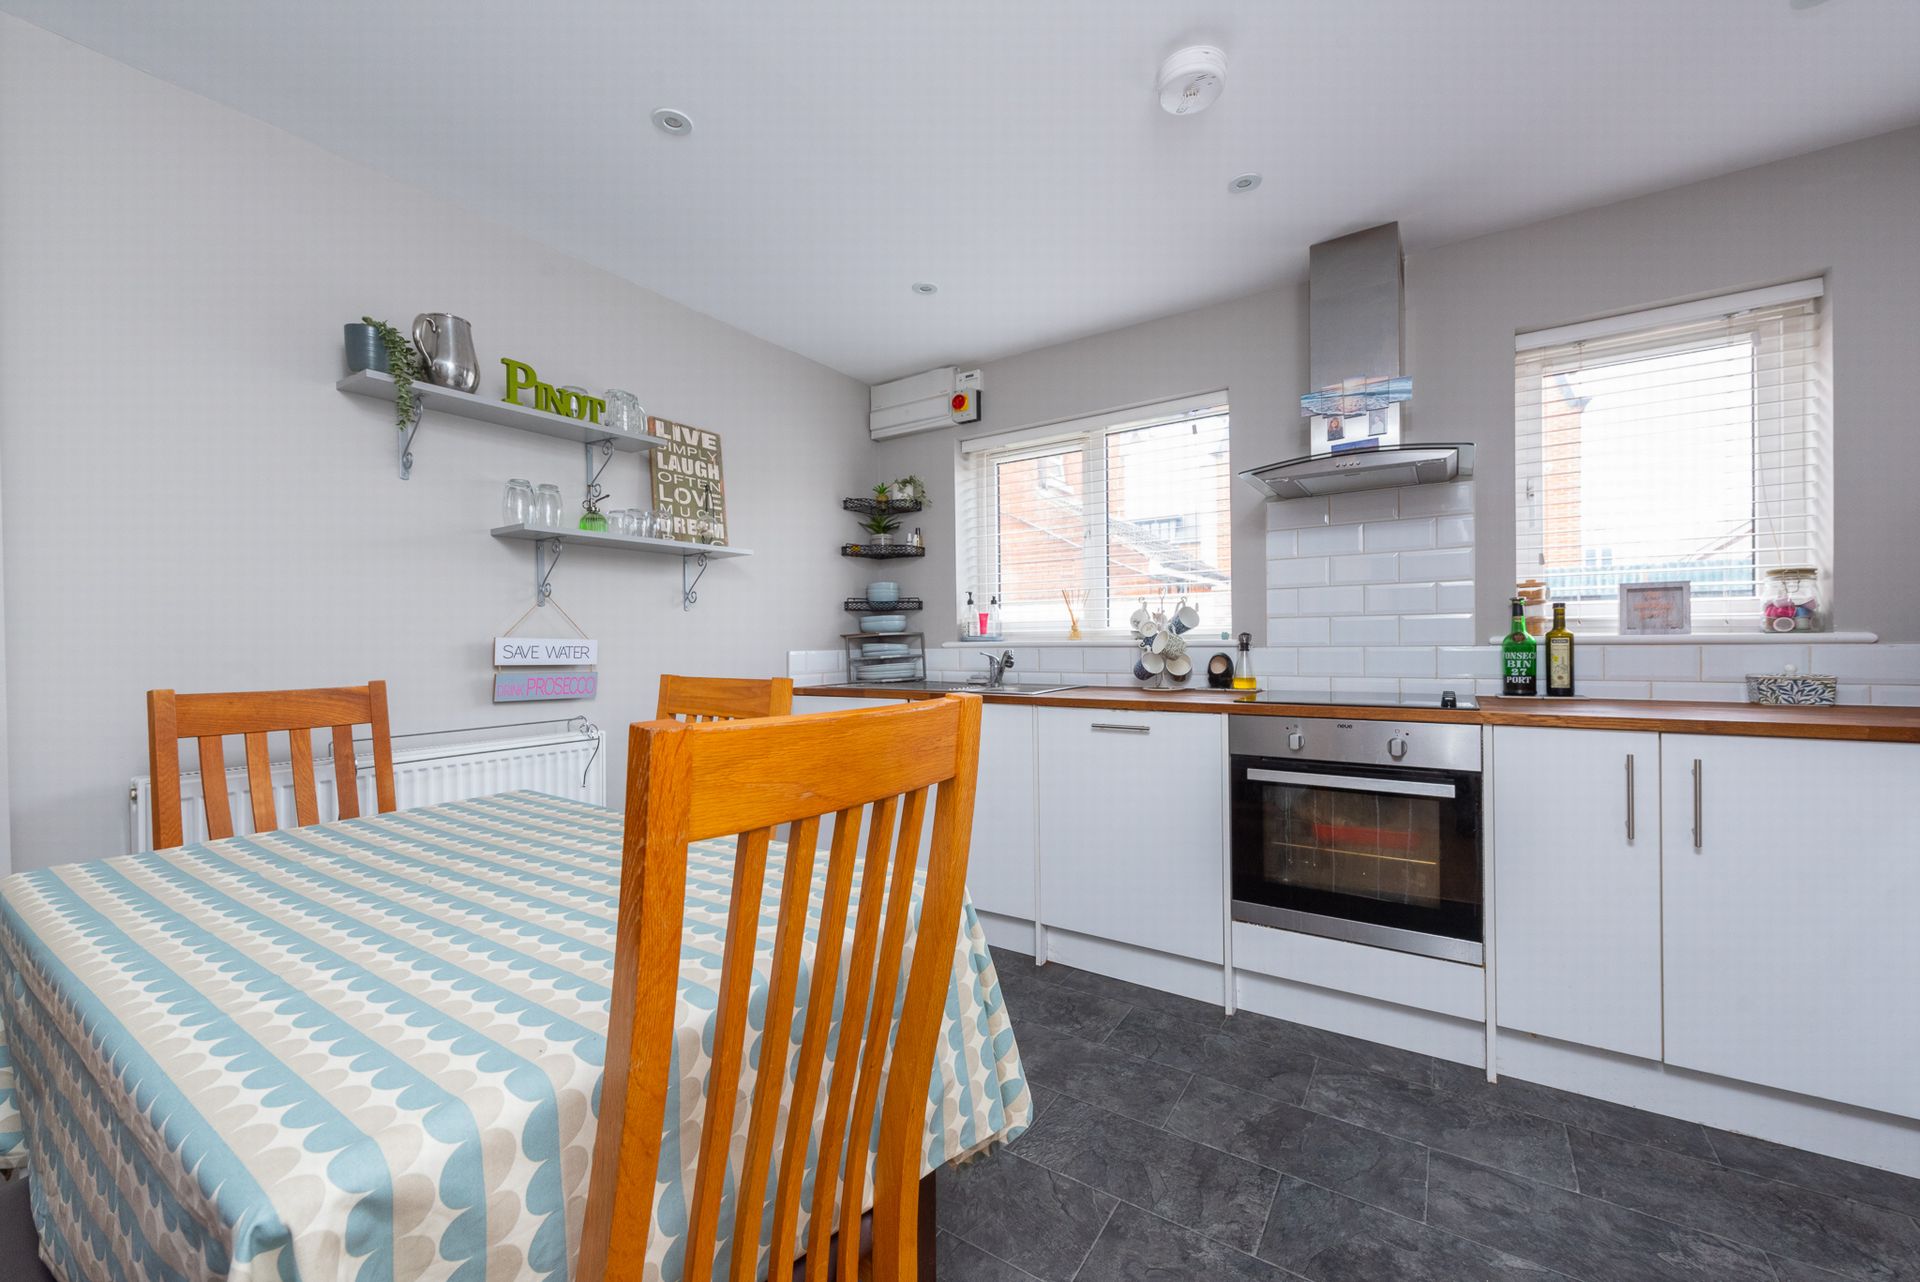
(1110, 511)
(1687, 443)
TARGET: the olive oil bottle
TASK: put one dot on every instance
(1560, 654)
(1519, 657)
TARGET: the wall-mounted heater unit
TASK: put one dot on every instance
(921, 402)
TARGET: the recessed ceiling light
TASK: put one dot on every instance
(669, 121)
(1245, 182)
(925, 287)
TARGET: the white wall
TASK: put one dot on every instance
(188, 502)
(1847, 212)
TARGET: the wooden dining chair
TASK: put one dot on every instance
(722, 698)
(256, 714)
(743, 779)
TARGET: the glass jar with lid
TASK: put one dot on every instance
(1792, 601)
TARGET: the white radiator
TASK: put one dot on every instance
(569, 764)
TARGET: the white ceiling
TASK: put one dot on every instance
(1011, 150)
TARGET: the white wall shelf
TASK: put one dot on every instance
(483, 409)
(548, 543)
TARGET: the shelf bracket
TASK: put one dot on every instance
(406, 443)
(691, 570)
(546, 555)
(594, 492)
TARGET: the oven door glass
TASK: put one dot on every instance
(1392, 848)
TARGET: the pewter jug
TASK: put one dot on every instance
(446, 350)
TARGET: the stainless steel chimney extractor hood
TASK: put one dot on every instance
(1354, 354)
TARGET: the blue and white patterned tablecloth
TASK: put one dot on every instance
(373, 1049)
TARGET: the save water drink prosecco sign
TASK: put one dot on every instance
(530, 669)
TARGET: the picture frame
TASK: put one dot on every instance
(1656, 609)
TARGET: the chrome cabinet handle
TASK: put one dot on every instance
(1629, 796)
(1696, 803)
(1114, 727)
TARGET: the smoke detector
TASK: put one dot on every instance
(1191, 79)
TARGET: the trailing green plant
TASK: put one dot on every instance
(404, 365)
(918, 488)
(880, 523)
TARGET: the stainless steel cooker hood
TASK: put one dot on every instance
(1354, 312)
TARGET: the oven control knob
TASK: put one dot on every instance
(1397, 747)
(1296, 741)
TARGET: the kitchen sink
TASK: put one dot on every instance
(965, 687)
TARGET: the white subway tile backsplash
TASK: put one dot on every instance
(1881, 664)
(1454, 598)
(1453, 532)
(1735, 662)
(1712, 691)
(1400, 661)
(1899, 696)
(1296, 514)
(1614, 689)
(1333, 661)
(1281, 543)
(1437, 500)
(1649, 662)
(1299, 572)
(1365, 629)
(1399, 536)
(1436, 629)
(1330, 540)
(1346, 599)
(1275, 661)
(1108, 659)
(1297, 685)
(1285, 600)
(1298, 630)
(1363, 505)
(1066, 658)
(1400, 598)
(1446, 563)
(1467, 661)
(1371, 568)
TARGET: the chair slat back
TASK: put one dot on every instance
(722, 698)
(207, 718)
(892, 767)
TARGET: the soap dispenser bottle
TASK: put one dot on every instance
(968, 620)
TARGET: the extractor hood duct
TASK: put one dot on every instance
(1354, 311)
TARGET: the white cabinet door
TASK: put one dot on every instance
(1792, 878)
(1576, 885)
(1132, 821)
(1000, 869)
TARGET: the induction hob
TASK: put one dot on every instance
(1461, 698)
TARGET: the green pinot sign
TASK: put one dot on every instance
(552, 400)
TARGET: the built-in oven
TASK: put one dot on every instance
(1366, 831)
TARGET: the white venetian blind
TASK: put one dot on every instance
(1687, 443)
(1111, 510)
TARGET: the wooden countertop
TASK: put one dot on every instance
(1849, 721)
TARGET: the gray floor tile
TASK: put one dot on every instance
(1238, 1061)
(961, 1261)
(1120, 990)
(1850, 1238)
(1517, 1142)
(1818, 1172)
(1389, 1061)
(1022, 1214)
(1082, 1014)
(1330, 1238)
(1377, 1169)
(1138, 1247)
(1200, 1188)
(1576, 1110)
(1584, 1236)
(1097, 1073)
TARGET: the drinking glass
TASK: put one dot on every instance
(547, 507)
(516, 507)
(624, 413)
(640, 522)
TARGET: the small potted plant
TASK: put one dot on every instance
(910, 489)
(881, 527)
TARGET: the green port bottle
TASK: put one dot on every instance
(1560, 655)
(1519, 657)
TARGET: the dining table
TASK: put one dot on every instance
(373, 1049)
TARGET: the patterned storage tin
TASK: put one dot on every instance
(1802, 690)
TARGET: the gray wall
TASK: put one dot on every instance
(188, 501)
(1850, 212)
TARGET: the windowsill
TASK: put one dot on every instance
(1721, 638)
